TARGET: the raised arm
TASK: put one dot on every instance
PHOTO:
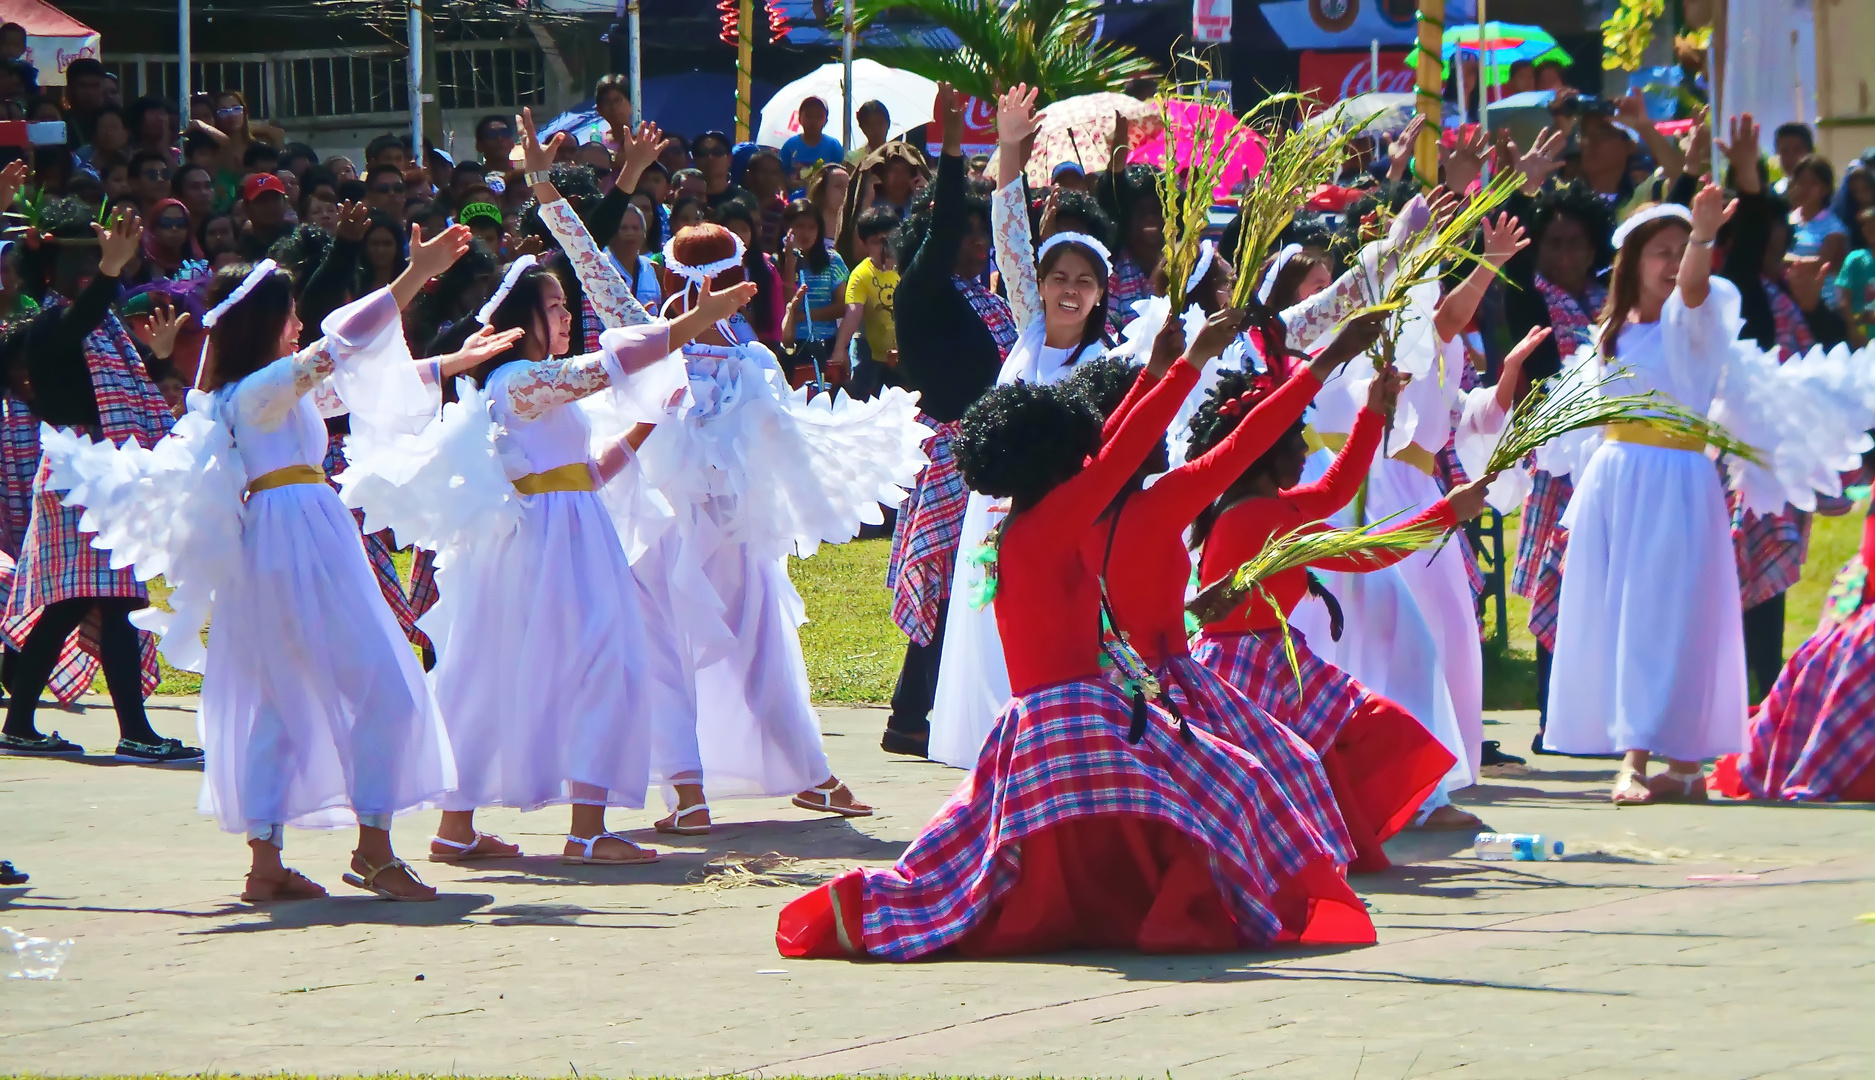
(610, 293)
(1710, 210)
(1308, 321)
(1071, 508)
(1503, 238)
(1337, 487)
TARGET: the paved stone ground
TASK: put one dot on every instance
(1618, 961)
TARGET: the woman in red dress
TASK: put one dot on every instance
(1092, 819)
(1381, 762)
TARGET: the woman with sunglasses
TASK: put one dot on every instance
(170, 250)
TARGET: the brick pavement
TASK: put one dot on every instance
(1611, 963)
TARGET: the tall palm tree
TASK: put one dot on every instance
(1045, 43)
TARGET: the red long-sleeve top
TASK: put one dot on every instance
(1047, 594)
(1241, 531)
(1150, 565)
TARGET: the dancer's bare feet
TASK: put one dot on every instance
(831, 796)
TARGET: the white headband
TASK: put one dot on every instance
(1207, 252)
(1269, 280)
(697, 275)
(1100, 249)
(1652, 213)
(253, 278)
(507, 286)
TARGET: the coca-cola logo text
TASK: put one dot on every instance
(1335, 76)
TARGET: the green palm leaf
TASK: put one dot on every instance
(1045, 43)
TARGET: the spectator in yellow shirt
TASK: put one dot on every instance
(868, 330)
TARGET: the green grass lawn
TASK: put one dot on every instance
(853, 650)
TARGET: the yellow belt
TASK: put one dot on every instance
(1648, 435)
(292, 474)
(1315, 439)
(1412, 455)
(574, 477)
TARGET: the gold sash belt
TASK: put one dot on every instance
(1648, 435)
(292, 474)
(574, 477)
(1413, 454)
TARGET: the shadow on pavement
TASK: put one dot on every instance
(355, 910)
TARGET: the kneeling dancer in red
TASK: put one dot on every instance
(1381, 762)
(1093, 819)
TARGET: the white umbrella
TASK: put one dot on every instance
(1386, 114)
(908, 98)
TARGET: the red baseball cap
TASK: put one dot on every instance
(259, 184)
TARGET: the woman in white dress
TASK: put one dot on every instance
(1650, 648)
(543, 657)
(314, 711)
(1059, 297)
(753, 475)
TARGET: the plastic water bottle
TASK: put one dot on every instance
(1518, 847)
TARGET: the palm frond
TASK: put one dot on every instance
(1297, 163)
(1303, 547)
(1045, 43)
(1185, 194)
(1299, 549)
(1563, 404)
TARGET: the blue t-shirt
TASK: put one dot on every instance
(796, 153)
(820, 285)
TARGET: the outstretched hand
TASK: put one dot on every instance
(1016, 118)
(431, 257)
(534, 156)
(1385, 389)
(716, 306)
(481, 347)
(1503, 238)
(118, 240)
(1710, 211)
(1467, 500)
(161, 327)
(1213, 337)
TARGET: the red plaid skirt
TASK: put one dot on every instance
(423, 592)
(1380, 761)
(378, 550)
(1770, 550)
(1541, 544)
(1055, 771)
(924, 542)
(57, 562)
(1814, 736)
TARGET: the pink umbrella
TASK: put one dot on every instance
(1187, 118)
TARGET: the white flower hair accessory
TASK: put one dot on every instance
(1288, 252)
(1207, 254)
(1652, 213)
(254, 278)
(1100, 249)
(697, 275)
(507, 286)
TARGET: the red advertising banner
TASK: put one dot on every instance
(1333, 76)
(979, 129)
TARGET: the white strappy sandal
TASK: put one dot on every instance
(676, 827)
(825, 803)
(461, 853)
(588, 859)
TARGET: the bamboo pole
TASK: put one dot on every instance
(745, 47)
(1431, 84)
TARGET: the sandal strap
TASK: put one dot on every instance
(371, 873)
(700, 808)
(586, 841)
(452, 844)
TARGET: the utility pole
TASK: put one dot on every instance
(1431, 87)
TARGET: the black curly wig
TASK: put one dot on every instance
(1103, 382)
(1389, 196)
(300, 252)
(1022, 440)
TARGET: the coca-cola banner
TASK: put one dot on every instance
(1332, 76)
(979, 128)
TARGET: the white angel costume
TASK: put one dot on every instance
(973, 680)
(1650, 632)
(752, 472)
(314, 712)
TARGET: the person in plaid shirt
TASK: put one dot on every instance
(1813, 738)
(1094, 818)
(81, 369)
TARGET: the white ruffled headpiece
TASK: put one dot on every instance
(1098, 248)
(697, 275)
(1651, 213)
(1288, 252)
(507, 286)
(254, 278)
(1207, 254)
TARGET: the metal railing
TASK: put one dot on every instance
(340, 84)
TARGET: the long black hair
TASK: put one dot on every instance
(522, 307)
(247, 336)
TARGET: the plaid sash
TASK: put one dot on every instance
(1572, 325)
(1541, 545)
(1770, 550)
(924, 542)
(377, 551)
(994, 311)
(1125, 285)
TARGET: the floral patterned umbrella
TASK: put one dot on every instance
(1080, 129)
